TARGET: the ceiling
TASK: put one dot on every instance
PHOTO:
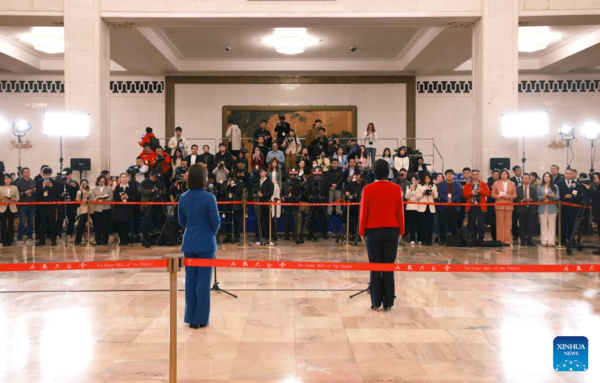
(415, 46)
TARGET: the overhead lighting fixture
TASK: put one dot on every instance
(290, 41)
(48, 39)
(533, 39)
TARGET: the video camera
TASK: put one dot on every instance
(180, 172)
(132, 170)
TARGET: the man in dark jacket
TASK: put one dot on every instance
(449, 191)
(335, 179)
(206, 158)
(263, 132)
(223, 155)
(152, 190)
(491, 213)
(318, 190)
(568, 192)
(527, 213)
(232, 191)
(47, 190)
(282, 129)
(265, 193)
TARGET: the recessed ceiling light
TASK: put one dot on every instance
(290, 41)
(47, 39)
(533, 39)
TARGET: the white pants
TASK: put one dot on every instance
(548, 228)
(276, 210)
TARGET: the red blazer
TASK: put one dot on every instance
(484, 191)
(148, 158)
(381, 206)
(146, 139)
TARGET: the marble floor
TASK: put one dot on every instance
(297, 326)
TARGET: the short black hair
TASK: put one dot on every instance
(194, 146)
(205, 146)
(574, 170)
(148, 130)
(263, 169)
(43, 166)
(282, 117)
(466, 169)
(146, 144)
(178, 129)
(67, 171)
(556, 166)
(223, 145)
(47, 170)
(475, 170)
(403, 170)
(515, 167)
(104, 172)
(381, 169)
(265, 121)
(230, 122)
(318, 120)
(139, 158)
(449, 171)
(495, 171)
(25, 168)
(322, 128)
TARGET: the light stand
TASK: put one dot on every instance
(591, 132)
(567, 133)
(524, 125)
(20, 129)
(523, 159)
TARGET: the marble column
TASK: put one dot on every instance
(87, 77)
(495, 81)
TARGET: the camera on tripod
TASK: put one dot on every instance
(132, 170)
(180, 172)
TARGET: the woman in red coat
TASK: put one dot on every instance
(381, 225)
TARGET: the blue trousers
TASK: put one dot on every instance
(197, 290)
(25, 214)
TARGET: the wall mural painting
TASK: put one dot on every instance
(340, 121)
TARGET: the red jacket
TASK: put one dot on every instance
(484, 192)
(381, 206)
(166, 164)
(146, 138)
(148, 158)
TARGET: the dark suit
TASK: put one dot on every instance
(448, 214)
(527, 213)
(569, 213)
(47, 213)
(267, 189)
(515, 216)
(189, 159)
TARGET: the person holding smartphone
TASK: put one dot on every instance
(8, 193)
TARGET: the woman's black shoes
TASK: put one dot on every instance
(374, 308)
(387, 308)
(197, 326)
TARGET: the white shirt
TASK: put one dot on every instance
(505, 185)
(192, 159)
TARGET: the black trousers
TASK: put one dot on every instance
(491, 220)
(290, 213)
(411, 218)
(101, 222)
(382, 246)
(47, 221)
(318, 213)
(71, 215)
(7, 226)
(448, 221)
(569, 214)
(426, 224)
(477, 221)
(526, 218)
(515, 224)
(81, 227)
(123, 230)
(152, 218)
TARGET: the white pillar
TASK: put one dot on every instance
(87, 77)
(495, 80)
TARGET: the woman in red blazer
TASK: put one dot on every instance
(504, 191)
(381, 225)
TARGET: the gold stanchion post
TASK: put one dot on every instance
(270, 243)
(88, 242)
(560, 244)
(347, 225)
(244, 244)
(173, 267)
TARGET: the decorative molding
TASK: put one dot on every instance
(458, 25)
(444, 87)
(32, 86)
(525, 86)
(57, 86)
(137, 87)
(125, 25)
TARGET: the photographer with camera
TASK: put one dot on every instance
(323, 162)
(570, 192)
(292, 148)
(223, 156)
(163, 163)
(83, 194)
(233, 190)
(264, 192)
(26, 188)
(427, 192)
(300, 190)
(123, 214)
(334, 145)
(178, 142)
(352, 149)
(335, 179)
(138, 172)
(241, 173)
(152, 190)
(220, 172)
(282, 129)
(290, 193)
(341, 158)
(68, 212)
(257, 160)
(311, 134)
(593, 191)
(353, 194)
(47, 190)
(148, 156)
(369, 140)
(263, 132)
(102, 192)
(318, 190)
(320, 144)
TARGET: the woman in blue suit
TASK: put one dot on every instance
(199, 215)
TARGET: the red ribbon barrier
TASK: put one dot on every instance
(398, 267)
(65, 266)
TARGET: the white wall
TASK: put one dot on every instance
(198, 108)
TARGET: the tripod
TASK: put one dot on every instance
(362, 291)
(215, 286)
(579, 218)
(314, 198)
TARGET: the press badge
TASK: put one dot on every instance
(230, 195)
(46, 193)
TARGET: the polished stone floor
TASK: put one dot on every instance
(297, 326)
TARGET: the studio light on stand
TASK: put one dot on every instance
(66, 125)
(591, 132)
(567, 134)
(524, 125)
(20, 129)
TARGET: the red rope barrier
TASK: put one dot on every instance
(397, 267)
(63, 266)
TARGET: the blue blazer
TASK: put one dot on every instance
(442, 189)
(199, 215)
